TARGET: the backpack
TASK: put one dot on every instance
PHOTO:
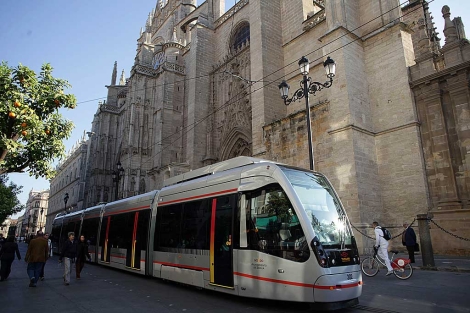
(387, 234)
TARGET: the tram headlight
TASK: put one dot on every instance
(320, 254)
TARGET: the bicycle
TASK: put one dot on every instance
(402, 268)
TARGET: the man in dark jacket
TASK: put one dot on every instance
(7, 255)
(36, 256)
(69, 253)
(82, 253)
(409, 240)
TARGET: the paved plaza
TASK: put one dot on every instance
(106, 290)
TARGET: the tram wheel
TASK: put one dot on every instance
(370, 266)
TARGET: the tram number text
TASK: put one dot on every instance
(349, 276)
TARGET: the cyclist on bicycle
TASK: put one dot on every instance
(381, 246)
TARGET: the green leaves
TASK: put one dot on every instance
(31, 129)
(10, 203)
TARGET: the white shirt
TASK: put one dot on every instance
(49, 245)
(379, 237)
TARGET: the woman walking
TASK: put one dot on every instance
(7, 255)
(82, 253)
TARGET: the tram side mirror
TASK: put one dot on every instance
(262, 244)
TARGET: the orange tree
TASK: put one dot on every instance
(9, 195)
(31, 129)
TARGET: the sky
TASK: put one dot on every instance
(83, 39)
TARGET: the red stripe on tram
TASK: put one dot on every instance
(190, 267)
(106, 239)
(212, 233)
(291, 283)
(91, 216)
(127, 210)
(199, 196)
(212, 241)
(278, 281)
(134, 234)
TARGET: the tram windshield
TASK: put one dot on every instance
(323, 208)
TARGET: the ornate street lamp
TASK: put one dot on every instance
(117, 174)
(66, 199)
(41, 224)
(308, 86)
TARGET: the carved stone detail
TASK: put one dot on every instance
(231, 96)
(166, 66)
(231, 12)
(314, 20)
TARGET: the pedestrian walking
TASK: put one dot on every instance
(82, 253)
(36, 256)
(7, 255)
(381, 245)
(408, 239)
(2, 240)
(49, 247)
(69, 253)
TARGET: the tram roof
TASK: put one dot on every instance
(215, 168)
(131, 200)
(68, 216)
(94, 208)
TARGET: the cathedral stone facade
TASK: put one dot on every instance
(440, 81)
(204, 88)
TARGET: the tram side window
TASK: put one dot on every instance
(104, 226)
(90, 229)
(55, 234)
(168, 232)
(273, 226)
(119, 231)
(196, 225)
(183, 226)
(142, 229)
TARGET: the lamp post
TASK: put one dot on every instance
(66, 198)
(41, 224)
(308, 86)
(117, 174)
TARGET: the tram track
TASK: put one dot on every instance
(371, 309)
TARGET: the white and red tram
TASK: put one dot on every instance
(245, 226)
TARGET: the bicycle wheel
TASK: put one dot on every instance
(403, 272)
(370, 266)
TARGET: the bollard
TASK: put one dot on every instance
(425, 240)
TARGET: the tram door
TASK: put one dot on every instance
(136, 237)
(104, 239)
(221, 241)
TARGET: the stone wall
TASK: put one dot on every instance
(440, 85)
(456, 222)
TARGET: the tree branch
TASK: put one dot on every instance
(4, 152)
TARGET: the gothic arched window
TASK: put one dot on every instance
(133, 184)
(105, 197)
(142, 186)
(240, 36)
